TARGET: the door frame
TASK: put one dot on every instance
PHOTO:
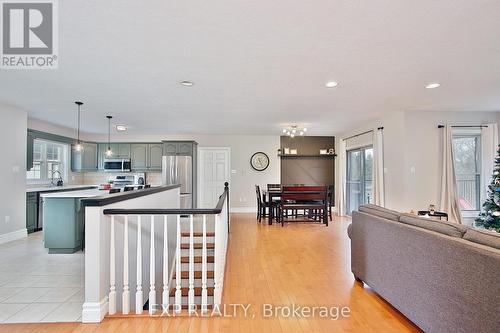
(199, 166)
(362, 149)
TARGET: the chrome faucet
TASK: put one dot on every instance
(59, 181)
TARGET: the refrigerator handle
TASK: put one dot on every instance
(176, 170)
(172, 170)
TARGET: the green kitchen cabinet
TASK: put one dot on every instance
(85, 159)
(185, 148)
(181, 148)
(123, 150)
(155, 154)
(146, 156)
(170, 148)
(139, 156)
(31, 211)
(64, 220)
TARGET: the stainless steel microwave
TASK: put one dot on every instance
(118, 165)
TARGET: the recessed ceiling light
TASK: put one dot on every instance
(121, 128)
(331, 84)
(187, 83)
(432, 85)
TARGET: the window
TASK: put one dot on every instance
(48, 158)
(359, 184)
(467, 156)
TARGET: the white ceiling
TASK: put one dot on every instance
(261, 64)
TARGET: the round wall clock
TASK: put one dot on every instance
(259, 161)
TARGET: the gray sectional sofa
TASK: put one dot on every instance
(444, 277)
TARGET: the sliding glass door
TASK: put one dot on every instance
(359, 185)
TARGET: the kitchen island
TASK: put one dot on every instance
(64, 219)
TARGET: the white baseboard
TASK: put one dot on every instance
(94, 312)
(244, 210)
(14, 235)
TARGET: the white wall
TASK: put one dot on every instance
(412, 140)
(13, 171)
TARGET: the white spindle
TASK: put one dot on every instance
(165, 294)
(139, 299)
(192, 306)
(152, 287)
(216, 259)
(204, 293)
(178, 292)
(126, 289)
(112, 269)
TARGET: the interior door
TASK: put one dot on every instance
(213, 172)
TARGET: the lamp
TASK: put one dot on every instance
(78, 146)
(109, 152)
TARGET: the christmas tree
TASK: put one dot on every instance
(490, 216)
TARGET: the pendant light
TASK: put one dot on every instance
(78, 146)
(109, 152)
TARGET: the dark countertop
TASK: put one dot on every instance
(107, 199)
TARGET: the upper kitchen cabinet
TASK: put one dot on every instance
(170, 148)
(183, 148)
(119, 150)
(146, 156)
(155, 153)
(139, 156)
(85, 159)
(123, 150)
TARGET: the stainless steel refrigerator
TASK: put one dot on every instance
(179, 170)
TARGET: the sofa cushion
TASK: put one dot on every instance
(447, 228)
(383, 209)
(380, 212)
(488, 238)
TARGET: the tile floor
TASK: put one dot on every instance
(39, 287)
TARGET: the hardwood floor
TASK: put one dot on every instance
(302, 264)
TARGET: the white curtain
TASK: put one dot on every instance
(341, 167)
(489, 146)
(378, 168)
(449, 196)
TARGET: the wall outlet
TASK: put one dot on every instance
(233, 172)
(412, 170)
(7, 218)
(15, 169)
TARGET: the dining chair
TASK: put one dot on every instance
(128, 188)
(330, 201)
(114, 190)
(262, 204)
(140, 187)
(147, 186)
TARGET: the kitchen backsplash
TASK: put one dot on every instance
(96, 178)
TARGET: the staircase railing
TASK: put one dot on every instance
(161, 224)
